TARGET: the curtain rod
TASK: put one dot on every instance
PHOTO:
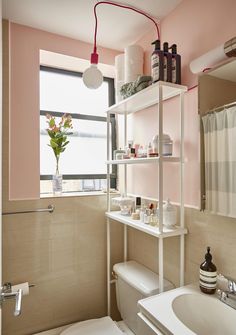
(213, 110)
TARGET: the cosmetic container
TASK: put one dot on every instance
(136, 215)
(118, 154)
(132, 153)
(136, 147)
(167, 63)
(127, 151)
(142, 152)
(175, 65)
(138, 201)
(208, 274)
(149, 149)
(147, 215)
(157, 63)
(126, 204)
(142, 212)
(169, 214)
(167, 144)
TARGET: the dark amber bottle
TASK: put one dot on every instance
(176, 65)
(157, 67)
(208, 274)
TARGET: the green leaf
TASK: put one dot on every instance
(53, 143)
(63, 145)
(51, 133)
(52, 123)
(58, 134)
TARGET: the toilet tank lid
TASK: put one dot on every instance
(140, 277)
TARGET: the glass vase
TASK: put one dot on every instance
(57, 184)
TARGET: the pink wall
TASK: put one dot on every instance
(25, 45)
(196, 27)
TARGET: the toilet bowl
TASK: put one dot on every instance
(102, 326)
(133, 282)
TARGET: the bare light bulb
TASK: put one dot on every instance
(92, 77)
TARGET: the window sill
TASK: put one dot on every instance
(76, 194)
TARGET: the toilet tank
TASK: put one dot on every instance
(134, 282)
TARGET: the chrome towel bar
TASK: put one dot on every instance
(49, 209)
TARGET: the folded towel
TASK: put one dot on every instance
(127, 90)
(133, 87)
(142, 79)
(143, 85)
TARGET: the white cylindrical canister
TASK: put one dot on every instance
(133, 62)
(119, 75)
(120, 67)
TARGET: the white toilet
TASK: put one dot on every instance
(134, 282)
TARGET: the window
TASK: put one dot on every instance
(83, 162)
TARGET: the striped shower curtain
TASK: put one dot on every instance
(220, 161)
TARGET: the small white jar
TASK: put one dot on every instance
(169, 215)
(167, 144)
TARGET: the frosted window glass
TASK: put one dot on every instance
(85, 154)
(68, 94)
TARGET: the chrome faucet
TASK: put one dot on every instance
(228, 296)
(6, 293)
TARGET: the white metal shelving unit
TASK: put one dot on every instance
(155, 94)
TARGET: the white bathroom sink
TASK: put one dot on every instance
(204, 315)
(188, 311)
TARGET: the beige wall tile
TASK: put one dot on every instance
(64, 254)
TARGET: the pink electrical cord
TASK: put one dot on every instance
(94, 56)
(204, 70)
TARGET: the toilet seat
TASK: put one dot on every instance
(102, 326)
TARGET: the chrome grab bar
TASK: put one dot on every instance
(49, 209)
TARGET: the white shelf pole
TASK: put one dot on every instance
(161, 266)
(182, 188)
(108, 221)
(108, 268)
(160, 174)
(181, 279)
(125, 145)
(182, 160)
(108, 158)
(125, 189)
(160, 186)
(125, 243)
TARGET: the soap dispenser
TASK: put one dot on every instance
(176, 65)
(167, 62)
(157, 62)
(208, 274)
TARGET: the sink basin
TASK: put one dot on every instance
(204, 314)
(188, 311)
